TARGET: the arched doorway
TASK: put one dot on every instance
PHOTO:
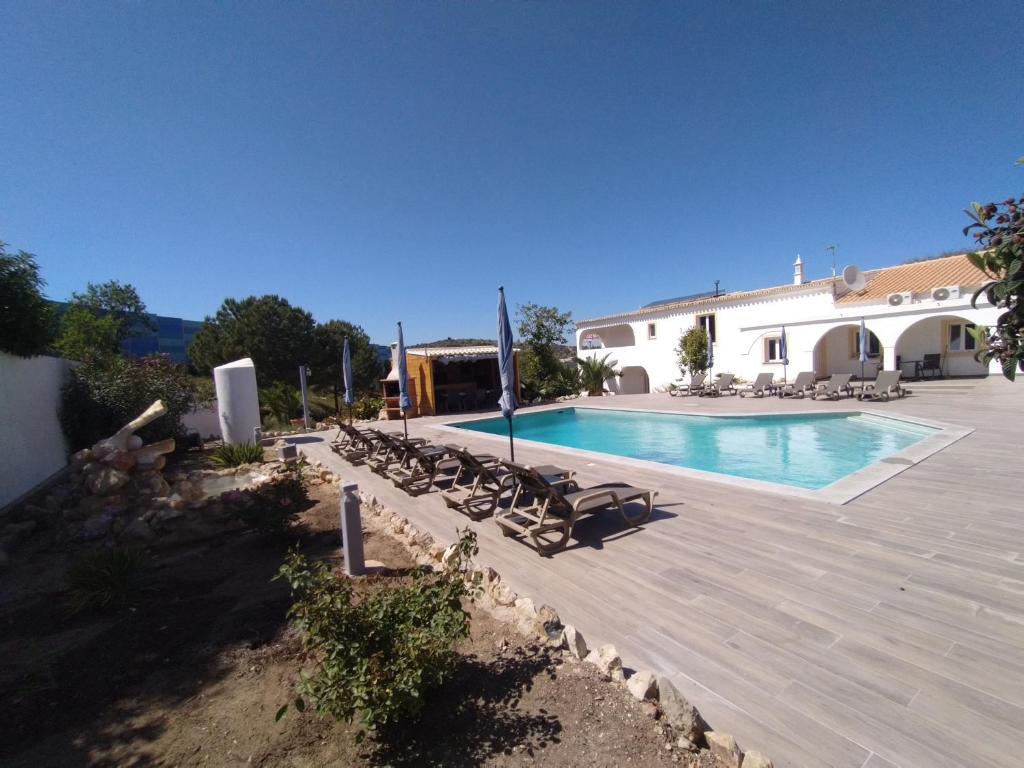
(838, 351)
(634, 381)
(607, 336)
(947, 336)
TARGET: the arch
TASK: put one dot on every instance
(607, 336)
(836, 351)
(944, 335)
(634, 381)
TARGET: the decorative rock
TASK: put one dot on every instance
(574, 641)
(106, 480)
(643, 686)
(606, 659)
(121, 460)
(450, 556)
(755, 759)
(685, 744)
(680, 713)
(436, 551)
(548, 624)
(138, 530)
(489, 576)
(164, 515)
(502, 595)
(724, 748)
(525, 607)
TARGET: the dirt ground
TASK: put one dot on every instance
(194, 670)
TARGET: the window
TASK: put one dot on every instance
(960, 339)
(707, 322)
(773, 349)
(652, 331)
(874, 346)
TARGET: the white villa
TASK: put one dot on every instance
(913, 310)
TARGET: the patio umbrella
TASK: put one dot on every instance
(506, 367)
(783, 352)
(863, 348)
(404, 403)
(346, 375)
(711, 354)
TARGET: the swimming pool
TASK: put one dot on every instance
(809, 451)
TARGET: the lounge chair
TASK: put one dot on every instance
(685, 390)
(420, 468)
(720, 386)
(803, 384)
(837, 386)
(392, 451)
(478, 485)
(357, 444)
(885, 386)
(558, 504)
(763, 385)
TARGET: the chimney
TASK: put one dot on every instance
(798, 271)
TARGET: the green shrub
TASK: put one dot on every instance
(377, 655)
(282, 401)
(368, 407)
(692, 351)
(104, 577)
(271, 507)
(237, 455)
(105, 393)
(27, 323)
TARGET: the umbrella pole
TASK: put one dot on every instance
(405, 426)
(511, 443)
(350, 415)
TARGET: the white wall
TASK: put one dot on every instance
(205, 421)
(32, 446)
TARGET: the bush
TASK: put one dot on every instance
(282, 401)
(368, 408)
(237, 455)
(377, 655)
(692, 351)
(27, 322)
(104, 577)
(271, 507)
(104, 394)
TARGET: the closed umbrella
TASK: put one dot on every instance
(346, 374)
(783, 352)
(711, 354)
(863, 348)
(506, 367)
(404, 403)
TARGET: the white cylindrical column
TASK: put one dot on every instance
(238, 400)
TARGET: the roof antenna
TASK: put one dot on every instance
(716, 289)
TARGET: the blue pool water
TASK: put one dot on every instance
(806, 451)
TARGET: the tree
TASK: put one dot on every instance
(26, 317)
(541, 330)
(97, 321)
(277, 336)
(594, 373)
(998, 228)
(693, 351)
(328, 346)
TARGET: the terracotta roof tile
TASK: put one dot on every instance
(919, 278)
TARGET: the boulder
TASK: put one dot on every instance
(548, 623)
(105, 480)
(502, 595)
(138, 530)
(643, 686)
(606, 659)
(574, 641)
(436, 551)
(121, 460)
(724, 749)
(755, 759)
(451, 555)
(680, 714)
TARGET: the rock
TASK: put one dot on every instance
(120, 439)
(680, 713)
(724, 748)
(152, 455)
(121, 460)
(548, 623)
(489, 576)
(685, 744)
(451, 555)
(97, 526)
(525, 607)
(606, 659)
(177, 502)
(574, 641)
(502, 595)
(138, 530)
(106, 480)
(643, 686)
(161, 516)
(81, 458)
(755, 759)
(436, 551)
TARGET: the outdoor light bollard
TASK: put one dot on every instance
(352, 530)
(257, 436)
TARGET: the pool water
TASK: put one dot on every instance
(807, 451)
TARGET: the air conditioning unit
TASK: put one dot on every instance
(899, 299)
(946, 292)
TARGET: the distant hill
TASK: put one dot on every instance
(450, 342)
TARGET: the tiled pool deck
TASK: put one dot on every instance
(886, 631)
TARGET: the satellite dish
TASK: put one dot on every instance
(854, 278)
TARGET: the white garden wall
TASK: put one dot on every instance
(32, 446)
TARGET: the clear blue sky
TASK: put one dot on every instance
(380, 161)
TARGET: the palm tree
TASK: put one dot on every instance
(594, 373)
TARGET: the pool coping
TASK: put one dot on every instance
(840, 492)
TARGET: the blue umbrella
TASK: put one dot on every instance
(404, 403)
(346, 374)
(506, 367)
(711, 354)
(783, 352)
(863, 347)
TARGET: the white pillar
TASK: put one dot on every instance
(238, 400)
(889, 353)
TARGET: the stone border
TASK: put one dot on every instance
(685, 724)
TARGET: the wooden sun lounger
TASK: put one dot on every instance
(478, 485)
(418, 473)
(885, 386)
(720, 386)
(763, 385)
(685, 390)
(834, 388)
(803, 384)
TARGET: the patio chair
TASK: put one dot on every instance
(685, 390)
(559, 504)
(489, 480)
(835, 387)
(421, 467)
(932, 363)
(720, 386)
(763, 385)
(885, 386)
(392, 451)
(357, 446)
(800, 386)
